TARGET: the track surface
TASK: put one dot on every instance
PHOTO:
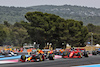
(57, 62)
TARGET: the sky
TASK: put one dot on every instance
(28, 3)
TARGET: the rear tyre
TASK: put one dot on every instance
(41, 59)
(51, 57)
(94, 53)
(86, 54)
(80, 55)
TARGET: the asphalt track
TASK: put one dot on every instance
(58, 62)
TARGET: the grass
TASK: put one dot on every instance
(87, 48)
(5, 47)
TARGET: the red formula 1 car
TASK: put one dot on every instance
(77, 53)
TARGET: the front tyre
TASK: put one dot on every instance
(23, 57)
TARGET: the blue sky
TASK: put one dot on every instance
(27, 3)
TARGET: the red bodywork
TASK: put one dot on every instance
(74, 54)
(22, 60)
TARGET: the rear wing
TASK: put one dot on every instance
(79, 49)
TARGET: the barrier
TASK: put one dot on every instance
(13, 57)
(9, 61)
(2, 56)
(58, 56)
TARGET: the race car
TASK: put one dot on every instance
(12, 54)
(39, 56)
(59, 52)
(77, 53)
(96, 51)
(9, 54)
(32, 58)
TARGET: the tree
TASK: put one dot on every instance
(6, 23)
(8, 39)
(51, 28)
(96, 33)
(2, 34)
(75, 33)
(19, 35)
(91, 27)
(44, 27)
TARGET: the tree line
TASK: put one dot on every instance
(86, 14)
(96, 33)
(42, 28)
